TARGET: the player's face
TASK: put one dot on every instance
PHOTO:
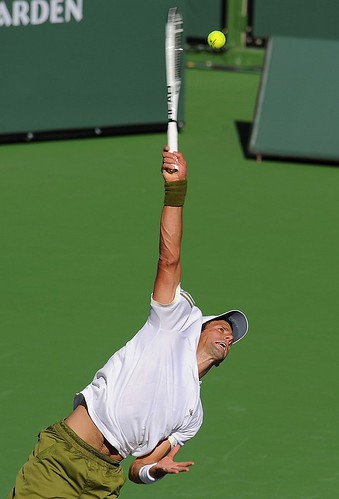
(218, 339)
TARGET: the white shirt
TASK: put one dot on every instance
(150, 389)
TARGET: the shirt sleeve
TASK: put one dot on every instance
(172, 316)
(190, 430)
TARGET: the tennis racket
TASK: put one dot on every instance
(173, 49)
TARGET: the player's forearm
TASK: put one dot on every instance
(170, 236)
(146, 473)
(133, 472)
(141, 473)
(153, 467)
(161, 450)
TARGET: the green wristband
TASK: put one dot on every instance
(175, 193)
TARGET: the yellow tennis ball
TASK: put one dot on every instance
(216, 39)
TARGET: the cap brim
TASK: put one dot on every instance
(237, 319)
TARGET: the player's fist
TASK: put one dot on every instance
(173, 165)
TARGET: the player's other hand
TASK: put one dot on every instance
(170, 160)
(167, 465)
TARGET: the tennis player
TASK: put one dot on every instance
(145, 401)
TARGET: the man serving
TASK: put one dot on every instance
(145, 401)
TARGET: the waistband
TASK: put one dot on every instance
(83, 447)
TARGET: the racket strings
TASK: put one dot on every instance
(178, 50)
(176, 22)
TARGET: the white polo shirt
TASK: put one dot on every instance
(150, 389)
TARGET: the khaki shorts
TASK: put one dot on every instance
(63, 466)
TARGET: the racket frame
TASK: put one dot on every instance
(173, 52)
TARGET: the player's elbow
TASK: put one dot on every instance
(133, 474)
(169, 263)
(170, 269)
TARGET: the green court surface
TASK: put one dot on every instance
(79, 242)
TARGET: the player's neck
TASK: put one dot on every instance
(204, 364)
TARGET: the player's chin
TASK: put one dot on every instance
(220, 353)
(219, 361)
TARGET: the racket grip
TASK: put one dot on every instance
(172, 136)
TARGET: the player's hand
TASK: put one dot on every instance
(167, 465)
(169, 160)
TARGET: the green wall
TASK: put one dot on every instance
(301, 18)
(297, 112)
(89, 64)
(203, 17)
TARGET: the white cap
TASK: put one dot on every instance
(237, 320)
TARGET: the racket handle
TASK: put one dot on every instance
(172, 136)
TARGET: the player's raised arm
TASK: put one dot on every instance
(169, 266)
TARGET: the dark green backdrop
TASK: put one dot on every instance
(297, 113)
(203, 17)
(301, 18)
(106, 70)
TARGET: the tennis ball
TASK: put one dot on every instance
(216, 39)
